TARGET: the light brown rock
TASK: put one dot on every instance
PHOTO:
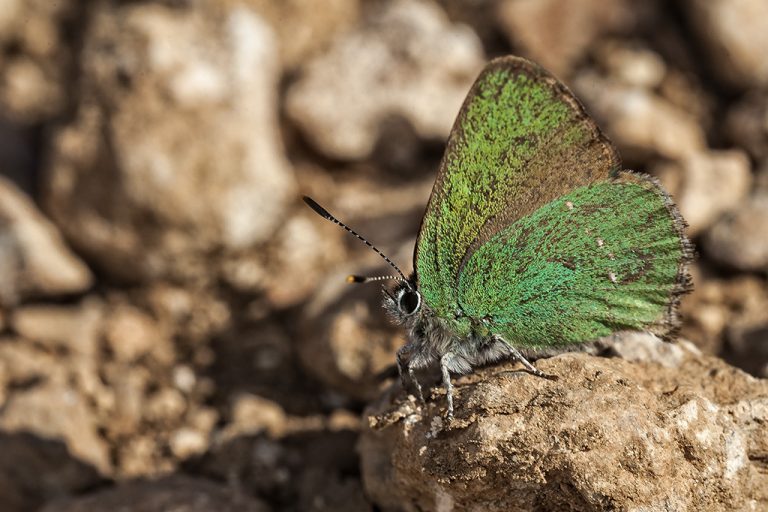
(558, 34)
(642, 123)
(609, 434)
(252, 414)
(295, 262)
(131, 333)
(305, 27)
(74, 329)
(34, 260)
(36, 58)
(707, 184)
(740, 239)
(181, 156)
(734, 34)
(406, 60)
(630, 64)
(55, 410)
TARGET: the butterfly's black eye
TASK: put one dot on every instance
(408, 301)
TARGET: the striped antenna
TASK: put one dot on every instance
(355, 279)
(367, 279)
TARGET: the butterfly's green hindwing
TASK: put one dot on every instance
(520, 141)
(605, 257)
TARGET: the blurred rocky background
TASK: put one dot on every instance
(175, 329)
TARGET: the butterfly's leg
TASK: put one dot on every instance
(527, 364)
(402, 364)
(444, 368)
(412, 376)
(405, 367)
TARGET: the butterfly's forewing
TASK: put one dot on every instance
(521, 140)
(605, 257)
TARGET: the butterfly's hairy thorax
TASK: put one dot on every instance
(470, 341)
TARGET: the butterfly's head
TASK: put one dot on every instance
(404, 302)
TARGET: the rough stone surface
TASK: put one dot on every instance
(558, 34)
(178, 493)
(34, 260)
(129, 180)
(707, 184)
(609, 434)
(735, 35)
(405, 61)
(740, 239)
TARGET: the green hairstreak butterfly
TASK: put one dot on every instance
(534, 240)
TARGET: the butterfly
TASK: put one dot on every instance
(534, 240)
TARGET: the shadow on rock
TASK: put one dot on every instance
(34, 471)
(317, 470)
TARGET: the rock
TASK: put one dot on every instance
(558, 34)
(740, 239)
(747, 335)
(165, 406)
(34, 260)
(305, 27)
(53, 409)
(252, 414)
(187, 442)
(72, 329)
(645, 347)
(21, 363)
(296, 260)
(706, 184)
(608, 434)
(139, 457)
(131, 333)
(746, 124)
(177, 493)
(734, 35)
(193, 313)
(632, 65)
(132, 180)
(726, 317)
(643, 124)
(406, 60)
(34, 470)
(36, 57)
